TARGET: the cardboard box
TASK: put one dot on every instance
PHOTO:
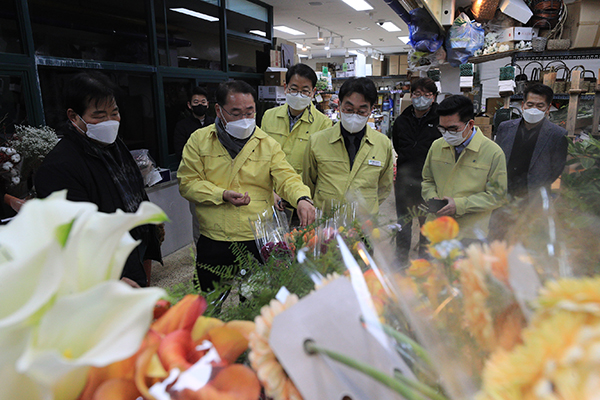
(275, 78)
(403, 59)
(582, 25)
(486, 130)
(271, 93)
(483, 121)
(516, 9)
(507, 35)
(403, 69)
(376, 65)
(493, 104)
(393, 64)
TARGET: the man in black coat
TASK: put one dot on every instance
(413, 133)
(198, 106)
(93, 164)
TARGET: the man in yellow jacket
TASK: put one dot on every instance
(466, 169)
(294, 122)
(230, 169)
(350, 160)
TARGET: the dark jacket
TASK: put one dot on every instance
(549, 155)
(71, 166)
(184, 129)
(412, 138)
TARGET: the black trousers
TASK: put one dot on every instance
(408, 194)
(216, 253)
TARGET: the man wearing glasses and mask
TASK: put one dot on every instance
(413, 133)
(230, 169)
(465, 169)
(293, 123)
(350, 158)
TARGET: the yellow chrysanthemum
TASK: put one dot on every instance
(440, 229)
(271, 374)
(577, 295)
(482, 263)
(420, 268)
(559, 359)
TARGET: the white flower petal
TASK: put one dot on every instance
(98, 246)
(29, 283)
(17, 386)
(95, 328)
(36, 223)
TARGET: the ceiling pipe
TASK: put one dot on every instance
(398, 9)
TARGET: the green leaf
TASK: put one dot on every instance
(587, 163)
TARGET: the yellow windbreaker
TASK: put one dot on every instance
(327, 169)
(207, 170)
(477, 181)
(276, 123)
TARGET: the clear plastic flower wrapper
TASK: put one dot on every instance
(272, 235)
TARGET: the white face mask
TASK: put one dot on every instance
(104, 132)
(297, 102)
(421, 103)
(454, 138)
(533, 115)
(353, 123)
(241, 129)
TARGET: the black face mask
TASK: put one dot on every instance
(199, 109)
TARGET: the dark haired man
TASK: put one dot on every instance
(413, 133)
(229, 170)
(466, 169)
(198, 106)
(294, 122)
(350, 158)
(94, 165)
(535, 148)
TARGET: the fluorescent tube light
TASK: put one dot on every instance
(358, 5)
(404, 39)
(390, 27)
(360, 42)
(302, 55)
(319, 35)
(259, 33)
(287, 29)
(195, 14)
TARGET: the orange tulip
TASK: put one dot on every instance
(182, 315)
(230, 344)
(177, 350)
(235, 382)
(440, 229)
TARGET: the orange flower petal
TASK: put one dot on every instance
(230, 343)
(440, 229)
(182, 315)
(420, 268)
(117, 389)
(177, 350)
(237, 381)
(243, 327)
(202, 326)
(143, 361)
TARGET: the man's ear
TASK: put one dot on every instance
(72, 115)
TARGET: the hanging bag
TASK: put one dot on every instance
(520, 80)
(535, 72)
(588, 83)
(560, 85)
(538, 43)
(568, 88)
(555, 41)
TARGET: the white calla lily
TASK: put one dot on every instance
(36, 224)
(98, 246)
(17, 386)
(94, 328)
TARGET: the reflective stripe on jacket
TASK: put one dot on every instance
(276, 122)
(207, 170)
(327, 169)
(477, 181)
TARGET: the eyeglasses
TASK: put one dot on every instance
(419, 94)
(296, 92)
(249, 114)
(362, 113)
(444, 130)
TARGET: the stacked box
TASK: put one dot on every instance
(275, 78)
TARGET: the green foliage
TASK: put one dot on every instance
(582, 187)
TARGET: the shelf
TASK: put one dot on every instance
(492, 57)
(573, 54)
(400, 77)
(557, 97)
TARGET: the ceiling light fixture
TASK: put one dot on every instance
(302, 55)
(287, 29)
(310, 55)
(347, 53)
(319, 34)
(304, 48)
(381, 57)
(328, 54)
(404, 39)
(341, 41)
(328, 45)
(360, 42)
(259, 33)
(195, 14)
(358, 5)
(390, 27)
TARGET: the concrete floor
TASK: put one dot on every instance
(179, 266)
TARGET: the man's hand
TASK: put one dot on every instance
(130, 282)
(278, 202)
(449, 209)
(14, 202)
(235, 198)
(306, 212)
